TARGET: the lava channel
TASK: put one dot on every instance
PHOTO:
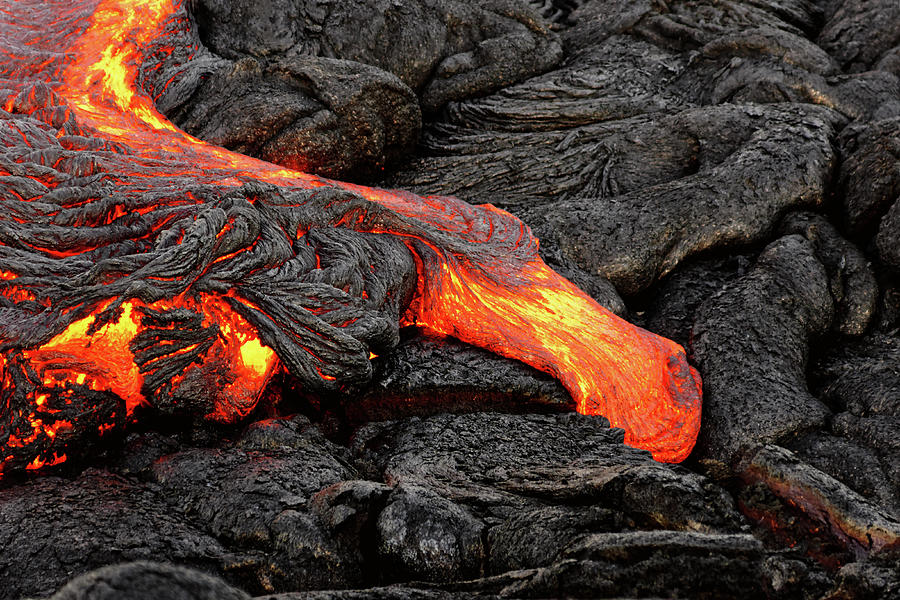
(142, 266)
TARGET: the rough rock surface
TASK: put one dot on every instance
(518, 505)
(425, 374)
(445, 50)
(134, 581)
(751, 341)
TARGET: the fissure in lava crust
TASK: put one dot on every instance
(139, 265)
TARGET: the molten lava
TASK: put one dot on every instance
(140, 265)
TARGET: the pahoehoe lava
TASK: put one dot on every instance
(141, 265)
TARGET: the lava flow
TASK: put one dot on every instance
(142, 266)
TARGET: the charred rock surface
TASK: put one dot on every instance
(858, 526)
(513, 463)
(860, 380)
(336, 88)
(255, 496)
(138, 580)
(528, 506)
(303, 111)
(444, 50)
(425, 374)
(870, 173)
(674, 302)
(752, 341)
(859, 33)
(59, 528)
(851, 279)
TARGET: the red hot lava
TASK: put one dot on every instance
(139, 264)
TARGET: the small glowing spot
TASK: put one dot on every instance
(256, 356)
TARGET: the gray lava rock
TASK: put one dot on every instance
(671, 309)
(423, 536)
(860, 32)
(647, 564)
(467, 458)
(888, 239)
(445, 50)
(781, 157)
(862, 377)
(563, 467)
(522, 168)
(332, 117)
(869, 96)
(861, 526)
(869, 180)
(256, 496)
(52, 529)
(348, 512)
(148, 581)
(862, 380)
(751, 343)
(425, 375)
(873, 579)
(850, 276)
(534, 538)
(636, 197)
(890, 61)
(416, 591)
(851, 463)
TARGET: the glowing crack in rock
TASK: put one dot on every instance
(140, 265)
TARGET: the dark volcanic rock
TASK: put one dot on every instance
(634, 238)
(850, 278)
(256, 495)
(751, 344)
(857, 524)
(869, 180)
(332, 117)
(52, 529)
(535, 537)
(425, 375)
(444, 50)
(862, 381)
(348, 512)
(674, 301)
(501, 466)
(424, 536)
(860, 32)
(397, 592)
(874, 579)
(851, 463)
(862, 377)
(148, 581)
(888, 239)
(515, 168)
(647, 564)
(642, 195)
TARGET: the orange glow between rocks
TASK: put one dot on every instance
(102, 359)
(640, 381)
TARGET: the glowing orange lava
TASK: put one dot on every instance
(509, 302)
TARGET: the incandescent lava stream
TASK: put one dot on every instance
(140, 265)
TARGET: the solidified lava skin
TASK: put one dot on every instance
(139, 265)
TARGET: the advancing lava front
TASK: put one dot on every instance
(141, 266)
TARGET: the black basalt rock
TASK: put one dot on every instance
(145, 581)
(751, 342)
